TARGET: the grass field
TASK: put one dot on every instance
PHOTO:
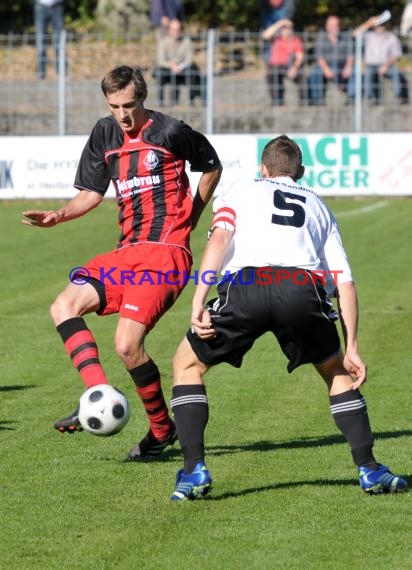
(285, 491)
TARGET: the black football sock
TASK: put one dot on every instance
(191, 412)
(351, 416)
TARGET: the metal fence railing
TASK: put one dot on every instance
(235, 81)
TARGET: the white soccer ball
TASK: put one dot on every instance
(103, 410)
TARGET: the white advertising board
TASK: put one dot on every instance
(336, 165)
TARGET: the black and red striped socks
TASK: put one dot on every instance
(81, 346)
(147, 381)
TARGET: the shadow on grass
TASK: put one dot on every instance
(303, 442)
(16, 387)
(4, 426)
(166, 456)
(289, 484)
(286, 485)
(263, 446)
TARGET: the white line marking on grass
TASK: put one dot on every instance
(364, 210)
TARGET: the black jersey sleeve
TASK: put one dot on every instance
(198, 151)
(92, 171)
(184, 142)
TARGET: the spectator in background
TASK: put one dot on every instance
(406, 19)
(48, 13)
(175, 65)
(285, 60)
(163, 11)
(381, 54)
(271, 11)
(334, 62)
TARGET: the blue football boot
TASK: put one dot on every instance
(192, 485)
(380, 481)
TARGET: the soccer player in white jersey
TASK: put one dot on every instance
(281, 255)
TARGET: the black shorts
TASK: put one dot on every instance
(254, 301)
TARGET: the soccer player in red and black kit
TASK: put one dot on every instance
(143, 154)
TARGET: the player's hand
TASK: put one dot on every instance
(202, 323)
(354, 364)
(41, 219)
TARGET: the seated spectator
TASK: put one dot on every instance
(334, 62)
(285, 60)
(175, 65)
(382, 51)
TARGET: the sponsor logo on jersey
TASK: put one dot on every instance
(151, 160)
(137, 184)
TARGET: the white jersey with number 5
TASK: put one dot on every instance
(277, 222)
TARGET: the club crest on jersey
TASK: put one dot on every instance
(151, 160)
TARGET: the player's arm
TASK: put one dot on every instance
(211, 263)
(82, 203)
(205, 189)
(195, 148)
(348, 313)
(338, 265)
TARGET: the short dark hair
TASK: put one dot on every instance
(120, 77)
(283, 157)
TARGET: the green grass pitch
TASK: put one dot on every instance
(285, 491)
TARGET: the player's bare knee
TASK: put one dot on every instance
(187, 369)
(181, 358)
(123, 349)
(178, 366)
(59, 310)
(186, 374)
(130, 354)
(331, 368)
(66, 306)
